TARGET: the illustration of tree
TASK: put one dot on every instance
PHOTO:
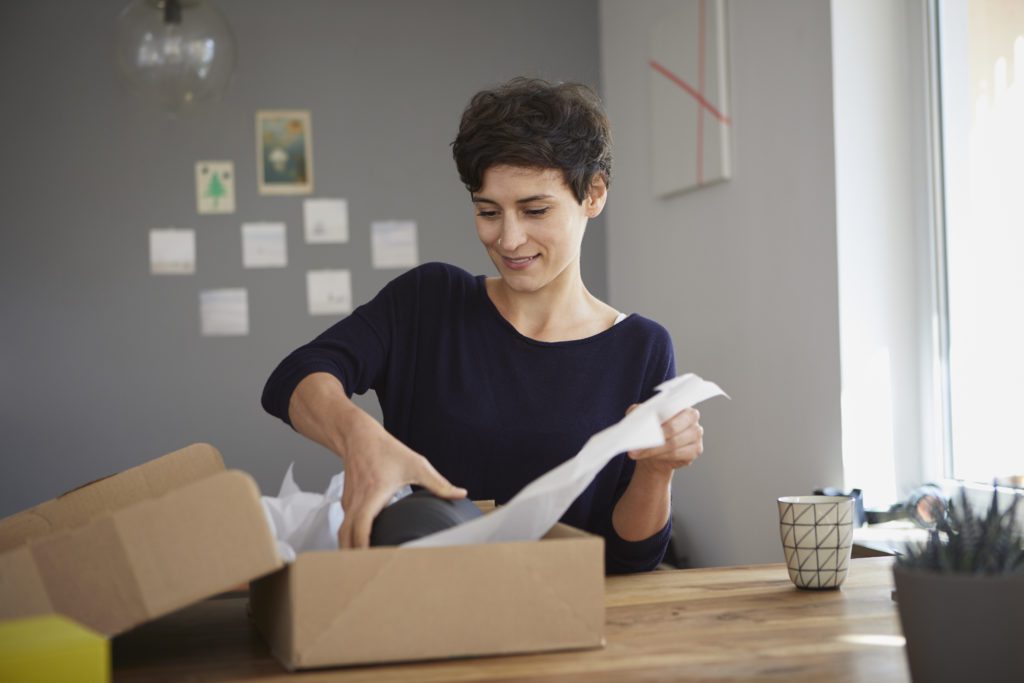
(215, 190)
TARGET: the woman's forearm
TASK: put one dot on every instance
(644, 508)
(320, 410)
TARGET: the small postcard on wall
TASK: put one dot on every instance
(284, 152)
(326, 220)
(215, 187)
(172, 251)
(394, 244)
(329, 292)
(264, 245)
(224, 312)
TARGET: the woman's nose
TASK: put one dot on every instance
(512, 236)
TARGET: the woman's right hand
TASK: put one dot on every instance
(376, 463)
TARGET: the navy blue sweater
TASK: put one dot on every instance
(491, 409)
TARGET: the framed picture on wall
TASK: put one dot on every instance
(284, 152)
(689, 85)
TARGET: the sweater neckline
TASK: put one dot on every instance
(488, 304)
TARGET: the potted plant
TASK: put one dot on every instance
(961, 597)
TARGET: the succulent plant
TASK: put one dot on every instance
(963, 542)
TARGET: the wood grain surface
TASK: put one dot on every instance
(723, 624)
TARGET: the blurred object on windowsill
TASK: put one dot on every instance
(1015, 481)
(925, 507)
(858, 502)
(887, 538)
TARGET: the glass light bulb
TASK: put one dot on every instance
(180, 65)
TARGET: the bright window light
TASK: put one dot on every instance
(982, 66)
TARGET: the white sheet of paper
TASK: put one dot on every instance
(325, 220)
(394, 244)
(535, 509)
(224, 312)
(264, 245)
(329, 292)
(172, 251)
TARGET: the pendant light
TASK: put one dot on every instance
(176, 54)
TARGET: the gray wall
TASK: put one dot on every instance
(742, 273)
(102, 365)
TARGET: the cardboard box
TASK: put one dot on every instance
(132, 547)
(395, 604)
(123, 550)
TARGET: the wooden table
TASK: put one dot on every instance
(725, 624)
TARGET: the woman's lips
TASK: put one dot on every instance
(519, 263)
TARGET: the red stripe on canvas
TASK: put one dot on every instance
(691, 91)
(700, 91)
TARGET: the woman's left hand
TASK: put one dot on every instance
(684, 442)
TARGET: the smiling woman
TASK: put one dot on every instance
(491, 382)
(532, 228)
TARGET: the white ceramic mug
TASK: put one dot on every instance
(817, 538)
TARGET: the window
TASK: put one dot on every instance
(929, 146)
(981, 75)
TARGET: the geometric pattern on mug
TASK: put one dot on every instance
(818, 540)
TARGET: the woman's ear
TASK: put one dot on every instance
(597, 195)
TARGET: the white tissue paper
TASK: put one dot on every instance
(303, 521)
(535, 509)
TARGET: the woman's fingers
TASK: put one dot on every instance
(684, 440)
(432, 480)
(681, 421)
(345, 533)
(362, 519)
(688, 437)
(683, 454)
(351, 508)
(363, 501)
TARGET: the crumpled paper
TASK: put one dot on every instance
(302, 521)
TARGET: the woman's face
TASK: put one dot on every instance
(531, 224)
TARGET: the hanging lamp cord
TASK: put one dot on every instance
(172, 11)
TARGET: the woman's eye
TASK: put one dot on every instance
(536, 212)
(487, 214)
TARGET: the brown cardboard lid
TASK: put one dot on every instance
(132, 547)
(84, 503)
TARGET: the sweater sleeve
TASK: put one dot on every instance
(355, 349)
(622, 556)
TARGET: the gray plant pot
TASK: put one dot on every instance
(962, 628)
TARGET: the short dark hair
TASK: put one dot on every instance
(532, 123)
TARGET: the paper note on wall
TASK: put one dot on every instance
(224, 312)
(325, 220)
(394, 244)
(329, 292)
(535, 509)
(172, 251)
(264, 245)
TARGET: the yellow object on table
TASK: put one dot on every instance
(52, 648)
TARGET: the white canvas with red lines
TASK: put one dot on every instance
(689, 97)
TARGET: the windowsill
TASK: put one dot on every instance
(887, 538)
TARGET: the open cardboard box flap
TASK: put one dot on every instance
(81, 505)
(126, 549)
(137, 545)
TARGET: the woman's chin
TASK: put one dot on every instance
(521, 282)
